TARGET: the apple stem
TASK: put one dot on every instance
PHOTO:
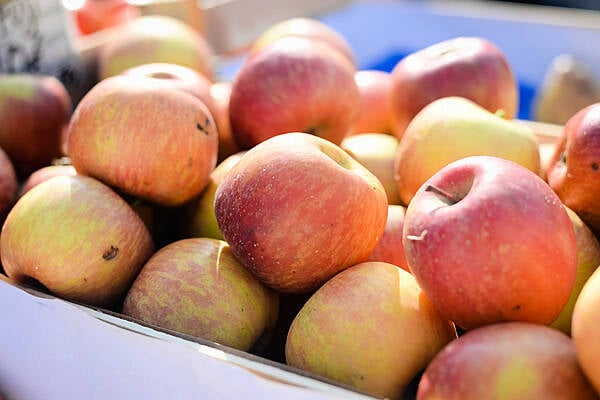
(447, 196)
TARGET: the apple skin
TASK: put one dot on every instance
(293, 85)
(376, 108)
(370, 327)
(144, 138)
(203, 222)
(34, 113)
(76, 237)
(470, 67)
(573, 170)
(585, 329)
(588, 257)
(377, 152)
(217, 299)
(95, 15)
(510, 360)
(308, 28)
(43, 174)
(156, 39)
(485, 225)
(390, 248)
(221, 92)
(452, 128)
(8, 184)
(297, 209)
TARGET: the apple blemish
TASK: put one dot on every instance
(205, 128)
(110, 253)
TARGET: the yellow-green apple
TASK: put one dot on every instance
(34, 113)
(304, 27)
(297, 209)
(452, 128)
(390, 248)
(588, 256)
(220, 92)
(585, 329)
(196, 286)
(574, 170)
(78, 238)
(44, 173)
(156, 39)
(377, 152)
(203, 221)
(375, 107)
(8, 184)
(471, 67)
(183, 78)
(370, 327)
(293, 85)
(489, 241)
(145, 138)
(509, 361)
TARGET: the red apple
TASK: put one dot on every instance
(585, 329)
(376, 108)
(377, 152)
(76, 237)
(43, 174)
(34, 112)
(294, 84)
(309, 28)
(470, 67)
(390, 248)
(8, 184)
(94, 15)
(217, 299)
(489, 241)
(574, 168)
(144, 137)
(370, 327)
(155, 39)
(511, 360)
(221, 92)
(297, 209)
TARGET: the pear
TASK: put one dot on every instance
(452, 128)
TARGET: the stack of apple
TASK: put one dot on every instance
(390, 231)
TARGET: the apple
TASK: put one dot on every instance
(309, 28)
(510, 360)
(45, 173)
(585, 329)
(221, 92)
(452, 128)
(145, 138)
(588, 257)
(574, 168)
(370, 327)
(489, 241)
(8, 184)
(76, 237)
(377, 152)
(297, 209)
(390, 248)
(216, 298)
(471, 67)
(179, 77)
(294, 84)
(94, 15)
(203, 221)
(34, 113)
(376, 110)
(155, 39)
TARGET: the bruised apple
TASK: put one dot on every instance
(370, 327)
(78, 238)
(197, 287)
(297, 209)
(489, 241)
(510, 361)
(145, 138)
(293, 85)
